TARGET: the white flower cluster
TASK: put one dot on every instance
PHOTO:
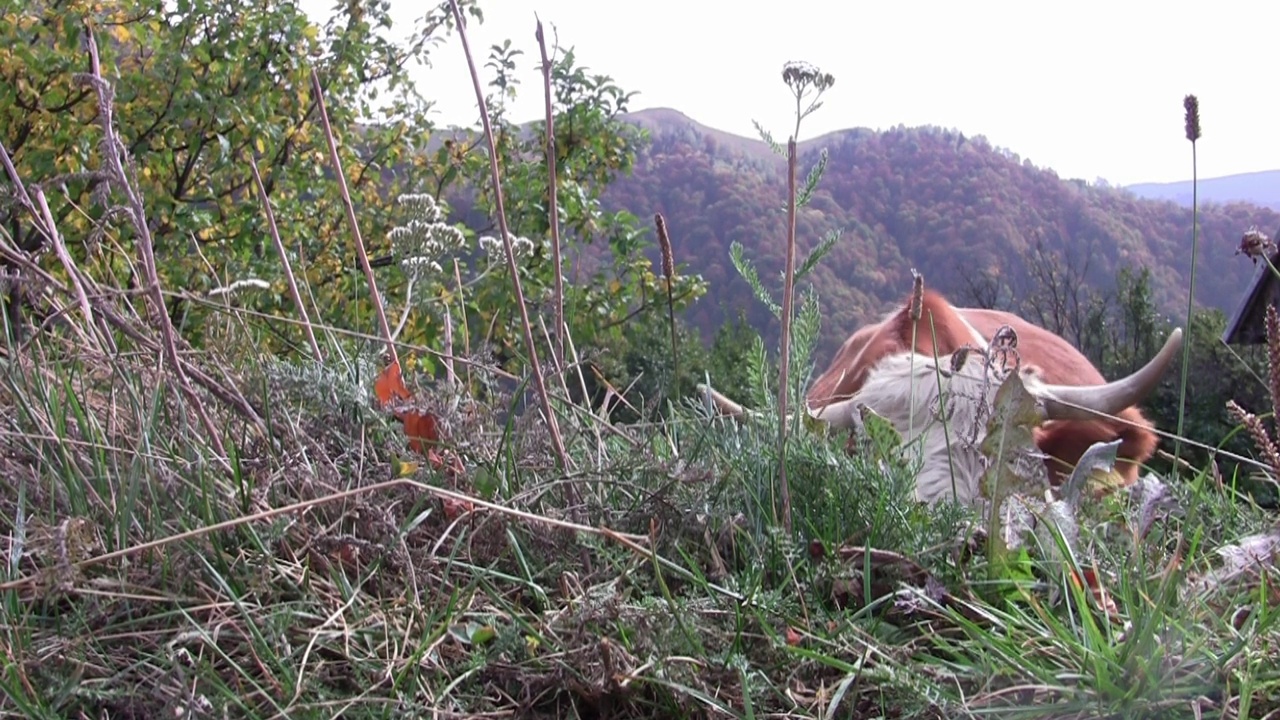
(425, 237)
(521, 246)
(247, 283)
(800, 75)
(417, 264)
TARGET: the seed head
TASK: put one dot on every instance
(917, 295)
(1273, 355)
(1257, 431)
(1255, 244)
(1192, 106)
(664, 243)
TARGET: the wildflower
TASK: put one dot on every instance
(425, 237)
(799, 75)
(238, 285)
(417, 264)
(422, 205)
(520, 246)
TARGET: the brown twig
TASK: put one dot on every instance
(227, 394)
(23, 197)
(59, 249)
(114, 150)
(462, 315)
(351, 219)
(553, 213)
(284, 260)
(571, 494)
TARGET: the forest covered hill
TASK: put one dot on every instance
(981, 224)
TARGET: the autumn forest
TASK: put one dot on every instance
(977, 221)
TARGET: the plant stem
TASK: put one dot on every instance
(553, 213)
(784, 361)
(1191, 294)
(571, 493)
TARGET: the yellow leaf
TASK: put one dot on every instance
(262, 147)
(400, 468)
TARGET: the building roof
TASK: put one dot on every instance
(1247, 325)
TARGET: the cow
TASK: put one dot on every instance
(949, 374)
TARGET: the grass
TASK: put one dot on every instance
(311, 581)
(301, 562)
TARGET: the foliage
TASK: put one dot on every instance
(200, 87)
(1124, 330)
(607, 259)
(727, 357)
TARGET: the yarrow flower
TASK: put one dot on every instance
(415, 264)
(799, 75)
(521, 246)
(425, 237)
(247, 283)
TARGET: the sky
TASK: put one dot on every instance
(1090, 89)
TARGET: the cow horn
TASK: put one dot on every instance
(838, 414)
(1069, 402)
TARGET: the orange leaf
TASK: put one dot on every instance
(454, 508)
(1100, 594)
(793, 637)
(390, 385)
(421, 429)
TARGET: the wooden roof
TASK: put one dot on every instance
(1247, 325)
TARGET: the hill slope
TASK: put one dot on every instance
(953, 207)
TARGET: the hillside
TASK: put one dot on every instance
(954, 207)
(1261, 188)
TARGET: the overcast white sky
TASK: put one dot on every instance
(1089, 88)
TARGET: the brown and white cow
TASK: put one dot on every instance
(914, 391)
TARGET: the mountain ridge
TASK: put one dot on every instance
(953, 206)
(1261, 188)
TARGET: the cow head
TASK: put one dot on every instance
(941, 407)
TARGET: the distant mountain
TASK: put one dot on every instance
(968, 215)
(1261, 188)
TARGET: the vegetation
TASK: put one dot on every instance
(244, 479)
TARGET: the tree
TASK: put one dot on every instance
(201, 87)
